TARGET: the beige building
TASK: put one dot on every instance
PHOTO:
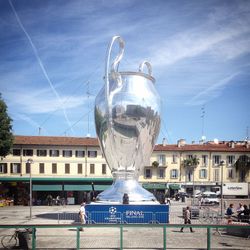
(75, 167)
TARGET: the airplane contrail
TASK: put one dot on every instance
(40, 63)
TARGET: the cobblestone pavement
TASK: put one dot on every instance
(109, 238)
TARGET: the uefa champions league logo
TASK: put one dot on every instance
(112, 210)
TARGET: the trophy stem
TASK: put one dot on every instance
(126, 183)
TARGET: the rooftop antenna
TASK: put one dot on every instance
(203, 137)
(247, 135)
(39, 130)
(88, 134)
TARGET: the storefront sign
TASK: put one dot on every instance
(236, 189)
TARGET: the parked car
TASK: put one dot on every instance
(181, 194)
(210, 198)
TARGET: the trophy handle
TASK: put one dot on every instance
(114, 66)
(149, 67)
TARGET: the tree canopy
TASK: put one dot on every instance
(155, 164)
(243, 163)
(191, 163)
(6, 136)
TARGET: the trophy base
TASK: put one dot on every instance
(136, 193)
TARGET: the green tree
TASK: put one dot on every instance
(155, 164)
(6, 136)
(191, 164)
(242, 166)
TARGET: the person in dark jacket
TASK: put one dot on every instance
(244, 215)
(125, 199)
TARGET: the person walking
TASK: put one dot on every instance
(82, 214)
(187, 219)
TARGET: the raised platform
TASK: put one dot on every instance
(132, 213)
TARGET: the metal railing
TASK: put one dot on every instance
(163, 228)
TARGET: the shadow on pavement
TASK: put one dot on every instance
(60, 216)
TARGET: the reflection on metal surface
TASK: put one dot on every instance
(127, 118)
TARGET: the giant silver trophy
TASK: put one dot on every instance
(127, 119)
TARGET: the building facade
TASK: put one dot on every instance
(75, 169)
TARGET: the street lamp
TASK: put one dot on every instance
(221, 189)
(29, 162)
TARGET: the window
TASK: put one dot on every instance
(16, 152)
(67, 153)
(3, 168)
(27, 168)
(161, 173)
(92, 154)
(28, 152)
(54, 168)
(230, 159)
(203, 174)
(230, 174)
(67, 168)
(204, 160)
(174, 173)
(175, 159)
(80, 153)
(15, 168)
(79, 168)
(54, 153)
(104, 169)
(41, 152)
(162, 160)
(92, 168)
(189, 157)
(41, 168)
(216, 159)
(217, 175)
(148, 173)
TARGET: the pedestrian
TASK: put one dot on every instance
(82, 214)
(244, 215)
(125, 199)
(168, 201)
(187, 219)
(57, 200)
(240, 208)
(49, 199)
(229, 213)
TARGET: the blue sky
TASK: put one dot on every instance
(52, 59)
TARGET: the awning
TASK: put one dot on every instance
(154, 185)
(77, 188)
(101, 187)
(174, 186)
(47, 188)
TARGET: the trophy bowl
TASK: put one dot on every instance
(127, 119)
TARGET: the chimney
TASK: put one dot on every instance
(164, 142)
(232, 144)
(247, 143)
(181, 143)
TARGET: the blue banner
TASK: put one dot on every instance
(118, 213)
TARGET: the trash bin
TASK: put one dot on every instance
(23, 237)
(183, 198)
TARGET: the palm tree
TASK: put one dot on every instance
(242, 166)
(191, 164)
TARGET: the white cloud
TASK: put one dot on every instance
(28, 120)
(213, 91)
(41, 101)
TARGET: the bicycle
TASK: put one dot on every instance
(10, 241)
